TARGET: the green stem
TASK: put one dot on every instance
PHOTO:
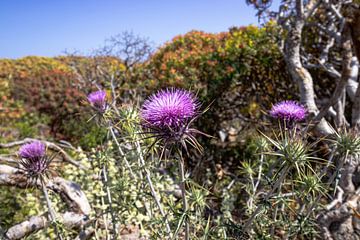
(329, 182)
(183, 194)
(268, 195)
(152, 189)
(122, 152)
(108, 193)
(51, 210)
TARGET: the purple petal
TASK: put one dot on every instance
(289, 110)
(32, 150)
(98, 99)
(169, 108)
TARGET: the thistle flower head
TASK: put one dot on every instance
(290, 111)
(169, 108)
(33, 159)
(98, 100)
(168, 114)
(34, 150)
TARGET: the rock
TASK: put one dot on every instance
(232, 132)
(222, 135)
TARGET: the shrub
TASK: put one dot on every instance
(245, 58)
(47, 87)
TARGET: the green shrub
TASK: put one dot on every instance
(245, 60)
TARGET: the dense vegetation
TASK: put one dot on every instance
(239, 74)
(217, 65)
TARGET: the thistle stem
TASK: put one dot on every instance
(51, 210)
(329, 182)
(183, 194)
(105, 220)
(121, 152)
(260, 173)
(108, 193)
(152, 189)
(105, 181)
(268, 195)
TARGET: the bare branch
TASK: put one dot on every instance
(338, 200)
(36, 223)
(69, 191)
(128, 47)
(311, 8)
(343, 214)
(299, 73)
(345, 75)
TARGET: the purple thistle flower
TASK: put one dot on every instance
(168, 114)
(169, 108)
(33, 150)
(98, 100)
(290, 111)
(33, 159)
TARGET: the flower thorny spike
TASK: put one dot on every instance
(168, 114)
(290, 111)
(98, 100)
(34, 160)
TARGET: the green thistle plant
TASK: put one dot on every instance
(292, 151)
(35, 164)
(347, 143)
(293, 168)
(310, 185)
(168, 117)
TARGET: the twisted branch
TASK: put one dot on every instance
(69, 192)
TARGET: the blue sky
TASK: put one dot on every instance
(48, 27)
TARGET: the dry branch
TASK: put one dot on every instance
(36, 223)
(69, 192)
(345, 75)
(345, 217)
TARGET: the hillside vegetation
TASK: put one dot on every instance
(234, 68)
(239, 74)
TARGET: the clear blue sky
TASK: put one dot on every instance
(48, 27)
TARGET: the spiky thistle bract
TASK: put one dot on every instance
(347, 143)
